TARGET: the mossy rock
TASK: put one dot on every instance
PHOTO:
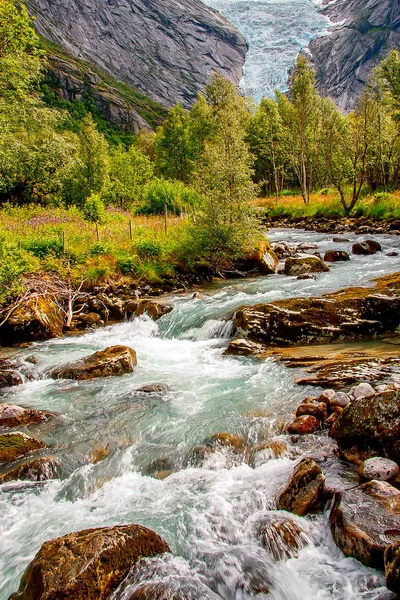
(16, 445)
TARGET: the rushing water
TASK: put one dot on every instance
(275, 30)
(207, 514)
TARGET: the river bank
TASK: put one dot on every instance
(156, 456)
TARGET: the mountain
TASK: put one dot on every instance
(363, 33)
(163, 50)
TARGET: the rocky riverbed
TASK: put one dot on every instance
(230, 480)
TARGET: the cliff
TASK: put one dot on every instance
(166, 50)
(363, 33)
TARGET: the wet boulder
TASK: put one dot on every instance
(267, 450)
(154, 310)
(314, 408)
(304, 492)
(282, 535)
(392, 567)
(244, 347)
(160, 389)
(35, 319)
(263, 260)
(304, 264)
(365, 519)
(304, 425)
(16, 445)
(371, 424)
(12, 415)
(366, 248)
(381, 469)
(336, 256)
(361, 390)
(111, 362)
(176, 588)
(39, 469)
(88, 564)
(10, 378)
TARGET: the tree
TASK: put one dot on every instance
(389, 71)
(21, 60)
(174, 151)
(268, 144)
(302, 122)
(129, 172)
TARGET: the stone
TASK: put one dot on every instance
(381, 469)
(304, 264)
(371, 424)
(262, 260)
(366, 248)
(12, 415)
(111, 362)
(178, 588)
(268, 450)
(340, 240)
(365, 519)
(315, 409)
(88, 564)
(153, 388)
(392, 567)
(244, 347)
(307, 276)
(16, 445)
(304, 424)
(154, 310)
(282, 535)
(361, 390)
(10, 378)
(304, 492)
(230, 440)
(336, 256)
(35, 319)
(306, 246)
(340, 399)
(39, 469)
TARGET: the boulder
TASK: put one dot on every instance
(381, 469)
(304, 492)
(176, 588)
(282, 535)
(244, 347)
(12, 415)
(230, 440)
(16, 445)
(10, 378)
(340, 399)
(365, 519)
(160, 389)
(39, 469)
(264, 260)
(89, 564)
(304, 424)
(336, 256)
(267, 450)
(348, 314)
(111, 362)
(35, 319)
(392, 567)
(371, 424)
(154, 310)
(366, 248)
(313, 408)
(306, 246)
(304, 264)
(361, 390)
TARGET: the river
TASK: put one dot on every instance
(207, 514)
(276, 30)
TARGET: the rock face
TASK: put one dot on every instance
(371, 424)
(89, 564)
(366, 31)
(345, 315)
(36, 319)
(165, 49)
(17, 445)
(364, 520)
(304, 491)
(111, 362)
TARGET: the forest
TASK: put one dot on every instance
(86, 202)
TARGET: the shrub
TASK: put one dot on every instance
(99, 248)
(42, 248)
(94, 209)
(173, 195)
(148, 249)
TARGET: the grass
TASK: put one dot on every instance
(379, 206)
(56, 240)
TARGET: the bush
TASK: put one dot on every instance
(148, 249)
(14, 262)
(173, 195)
(99, 248)
(42, 248)
(94, 209)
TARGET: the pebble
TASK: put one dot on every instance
(379, 468)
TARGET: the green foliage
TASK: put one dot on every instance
(130, 171)
(174, 196)
(94, 209)
(43, 247)
(98, 249)
(148, 248)
(14, 263)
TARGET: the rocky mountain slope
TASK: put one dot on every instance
(364, 32)
(164, 49)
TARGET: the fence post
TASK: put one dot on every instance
(97, 232)
(63, 241)
(166, 220)
(130, 230)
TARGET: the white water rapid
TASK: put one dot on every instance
(208, 514)
(275, 30)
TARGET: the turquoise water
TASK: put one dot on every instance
(208, 514)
